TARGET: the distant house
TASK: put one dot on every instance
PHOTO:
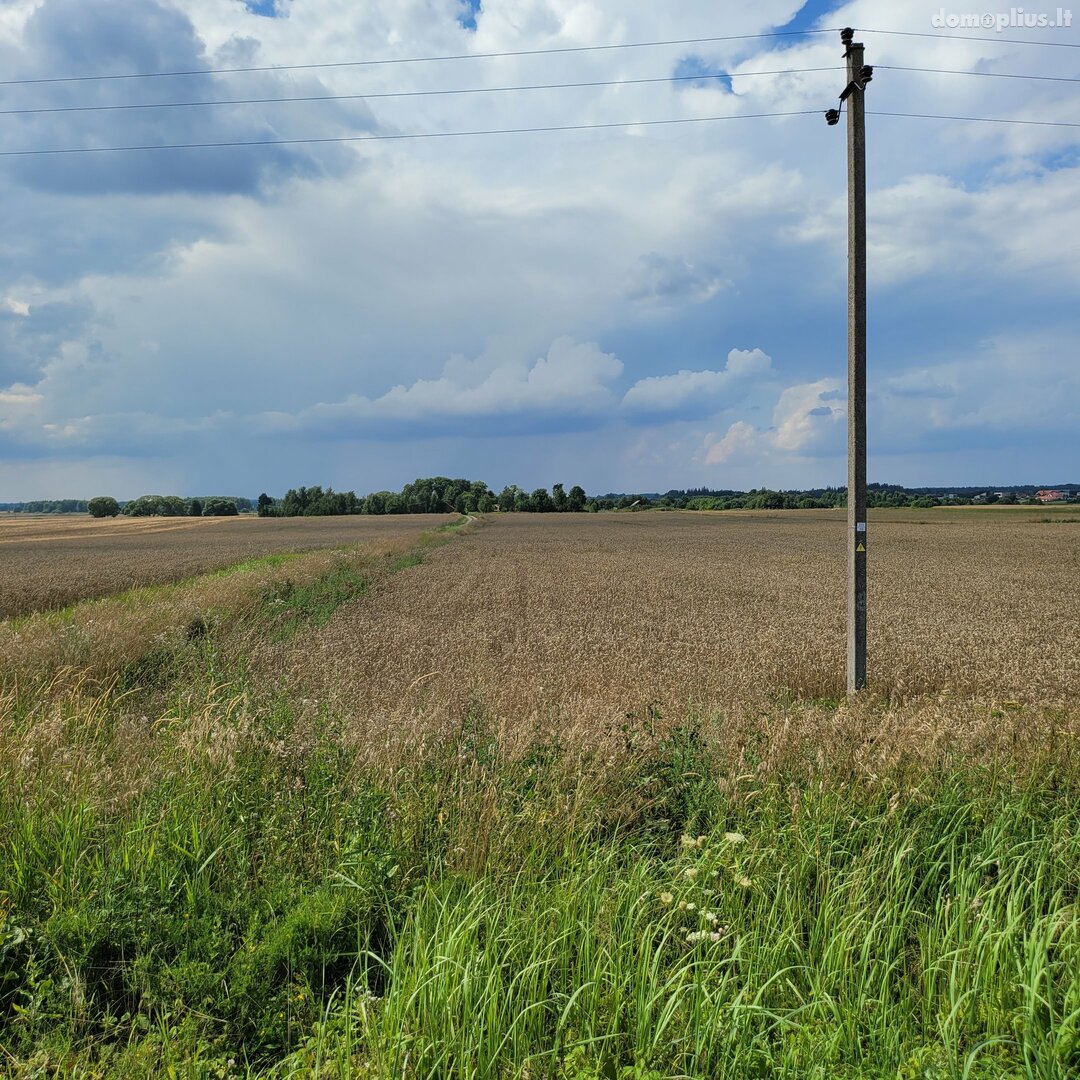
(1050, 495)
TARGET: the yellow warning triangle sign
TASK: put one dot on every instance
(860, 548)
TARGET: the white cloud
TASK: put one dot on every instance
(18, 394)
(740, 440)
(806, 416)
(573, 379)
(805, 421)
(704, 390)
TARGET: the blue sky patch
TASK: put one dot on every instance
(266, 8)
(694, 71)
(807, 17)
(467, 16)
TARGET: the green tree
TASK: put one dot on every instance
(103, 506)
(220, 508)
(540, 502)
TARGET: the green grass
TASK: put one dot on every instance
(294, 607)
(281, 909)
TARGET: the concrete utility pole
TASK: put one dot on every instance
(858, 75)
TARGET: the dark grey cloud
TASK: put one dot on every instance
(59, 239)
(28, 341)
(73, 38)
(666, 279)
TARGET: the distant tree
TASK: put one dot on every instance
(175, 506)
(376, 502)
(220, 508)
(539, 502)
(103, 506)
(145, 506)
(196, 508)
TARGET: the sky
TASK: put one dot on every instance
(635, 307)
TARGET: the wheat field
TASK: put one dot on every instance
(598, 615)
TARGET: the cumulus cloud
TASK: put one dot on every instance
(697, 392)
(77, 39)
(741, 440)
(806, 420)
(807, 416)
(572, 381)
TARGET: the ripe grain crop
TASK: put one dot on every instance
(590, 618)
(50, 561)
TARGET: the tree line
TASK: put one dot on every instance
(168, 506)
(47, 506)
(427, 495)
(443, 495)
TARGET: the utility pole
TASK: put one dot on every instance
(858, 75)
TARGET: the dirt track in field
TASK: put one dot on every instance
(49, 561)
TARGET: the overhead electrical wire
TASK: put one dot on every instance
(386, 137)
(702, 77)
(977, 119)
(381, 95)
(968, 37)
(413, 59)
(980, 74)
(596, 83)
(554, 51)
(405, 136)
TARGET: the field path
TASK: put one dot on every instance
(49, 561)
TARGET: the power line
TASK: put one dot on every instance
(560, 50)
(968, 37)
(404, 136)
(701, 77)
(411, 93)
(981, 74)
(411, 59)
(979, 119)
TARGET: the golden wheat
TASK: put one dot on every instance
(574, 623)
